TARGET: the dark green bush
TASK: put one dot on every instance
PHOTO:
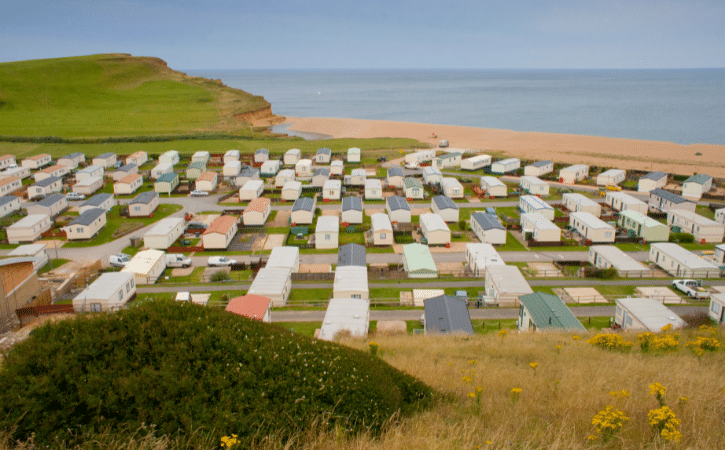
(188, 369)
(219, 275)
(682, 238)
(595, 272)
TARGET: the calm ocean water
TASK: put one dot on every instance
(685, 106)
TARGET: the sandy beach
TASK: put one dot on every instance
(566, 148)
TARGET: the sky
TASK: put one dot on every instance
(373, 34)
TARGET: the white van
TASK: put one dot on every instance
(177, 260)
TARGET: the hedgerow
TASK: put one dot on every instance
(186, 368)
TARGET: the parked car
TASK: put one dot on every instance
(443, 143)
(176, 260)
(119, 260)
(693, 288)
(117, 165)
(198, 194)
(71, 196)
(220, 261)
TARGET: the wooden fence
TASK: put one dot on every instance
(43, 310)
(323, 276)
(188, 249)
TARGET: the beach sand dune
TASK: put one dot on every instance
(566, 148)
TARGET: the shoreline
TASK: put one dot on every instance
(620, 153)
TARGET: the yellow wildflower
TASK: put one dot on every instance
(534, 365)
(503, 333)
(576, 337)
(472, 394)
(657, 390)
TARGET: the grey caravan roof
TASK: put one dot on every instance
(51, 200)
(88, 217)
(324, 151)
(7, 199)
(541, 163)
(106, 155)
(654, 176)
(47, 181)
(303, 203)
(127, 167)
(144, 198)
(321, 171)
(248, 171)
(261, 151)
(352, 203)
(397, 202)
(97, 200)
(351, 255)
(669, 196)
(443, 202)
(487, 221)
(446, 314)
(395, 172)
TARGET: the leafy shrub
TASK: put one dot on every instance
(462, 225)
(650, 342)
(181, 367)
(596, 272)
(682, 238)
(609, 341)
(219, 275)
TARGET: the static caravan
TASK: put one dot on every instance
(619, 201)
(651, 181)
(642, 226)
(261, 155)
(231, 156)
(591, 228)
(320, 176)
(373, 189)
(506, 284)
(231, 168)
(37, 161)
(15, 172)
(251, 190)
(394, 178)
(337, 168)
(357, 177)
(303, 168)
(478, 256)
(506, 166)
(86, 225)
(253, 307)
(680, 262)
(546, 312)
(110, 292)
(291, 156)
(435, 229)
(431, 175)
(645, 314)
(579, 203)
(420, 156)
(169, 157)
(413, 188)
(164, 233)
(270, 168)
(572, 174)
(195, 169)
(220, 233)
(327, 232)
(146, 266)
(29, 228)
(128, 185)
(166, 183)
(452, 187)
(493, 187)
(446, 315)
(124, 171)
(534, 185)
(351, 210)
(144, 204)
(161, 169)
(350, 316)
(323, 155)
(662, 201)
(51, 206)
(539, 228)
(285, 257)
(88, 186)
(257, 212)
(9, 204)
(531, 204)
(696, 186)
(207, 181)
(353, 155)
(45, 187)
(7, 161)
(381, 229)
(705, 230)
(488, 228)
(139, 158)
(351, 282)
(57, 171)
(247, 174)
(476, 162)
(291, 191)
(331, 190)
(606, 256)
(717, 308)
(303, 211)
(611, 177)
(103, 201)
(275, 283)
(38, 252)
(9, 185)
(352, 255)
(105, 160)
(445, 207)
(418, 261)
(88, 172)
(539, 168)
(398, 209)
(200, 156)
(73, 160)
(448, 160)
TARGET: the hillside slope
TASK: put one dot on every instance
(118, 95)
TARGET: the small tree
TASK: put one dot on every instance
(219, 275)
(462, 225)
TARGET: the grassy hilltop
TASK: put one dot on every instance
(116, 95)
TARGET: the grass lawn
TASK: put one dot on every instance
(512, 245)
(631, 247)
(705, 212)
(310, 295)
(52, 264)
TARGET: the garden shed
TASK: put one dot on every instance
(591, 228)
(275, 283)
(394, 178)
(373, 189)
(73, 160)
(644, 227)
(539, 168)
(169, 157)
(161, 169)
(201, 156)
(452, 187)
(231, 156)
(261, 155)
(291, 156)
(110, 292)
(320, 176)
(146, 266)
(680, 262)
(350, 316)
(532, 204)
(606, 256)
(619, 201)
(539, 228)
(219, 234)
(104, 160)
(36, 161)
(546, 312)
(431, 175)
(351, 282)
(493, 187)
(720, 215)
(103, 200)
(413, 188)
(645, 314)
(195, 169)
(207, 181)
(572, 174)
(283, 177)
(696, 186)
(323, 155)
(253, 307)
(270, 168)
(435, 229)
(398, 209)
(651, 181)
(56, 171)
(331, 190)
(418, 261)
(337, 168)
(45, 187)
(579, 203)
(10, 203)
(164, 233)
(303, 211)
(506, 284)
(124, 171)
(703, 229)
(257, 211)
(285, 257)
(488, 228)
(88, 172)
(251, 190)
(506, 166)
(51, 206)
(357, 177)
(534, 185)
(445, 315)
(86, 225)
(352, 210)
(381, 229)
(292, 190)
(352, 255)
(144, 204)
(303, 168)
(476, 162)
(29, 228)
(166, 183)
(445, 207)
(88, 186)
(478, 256)
(353, 155)
(327, 232)
(231, 169)
(611, 177)
(128, 185)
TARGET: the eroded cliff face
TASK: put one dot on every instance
(262, 117)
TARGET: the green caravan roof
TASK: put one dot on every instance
(549, 312)
(418, 258)
(641, 219)
(410, 182)
(167, 177)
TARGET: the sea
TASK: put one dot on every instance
(678, 105)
